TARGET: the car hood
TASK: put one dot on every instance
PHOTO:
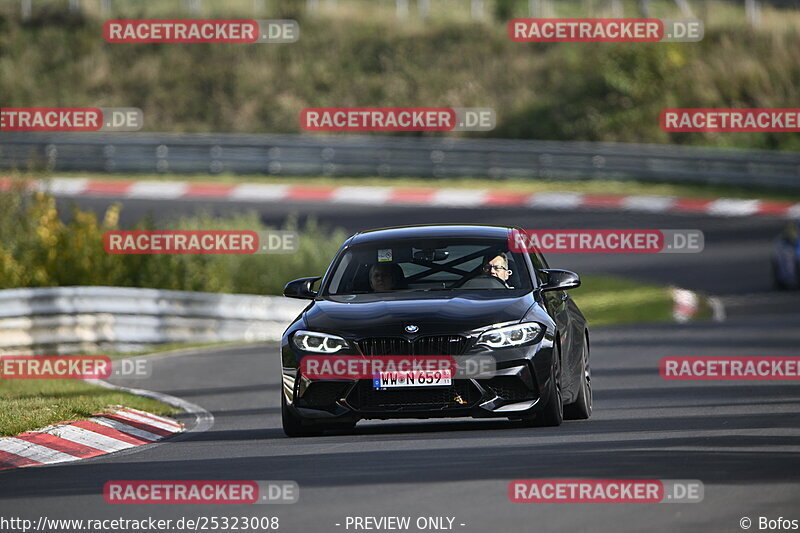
(433, 314)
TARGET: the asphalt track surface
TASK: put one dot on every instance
(741, 439)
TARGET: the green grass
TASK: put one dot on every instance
(608, 300)
(27, 404)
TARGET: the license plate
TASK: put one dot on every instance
(412, 378)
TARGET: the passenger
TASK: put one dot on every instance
(386, 277)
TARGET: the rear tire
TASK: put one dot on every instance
(581, 408)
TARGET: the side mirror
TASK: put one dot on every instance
(560, 280)
(301, 288)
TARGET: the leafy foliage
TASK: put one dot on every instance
(39, 249)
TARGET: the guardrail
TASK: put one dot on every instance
(360, 155)
(62, 320)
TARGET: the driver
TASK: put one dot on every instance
(386, 277)
(497, 265)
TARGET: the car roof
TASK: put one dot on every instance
(431, 231)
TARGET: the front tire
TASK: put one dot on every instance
(553, 413)
(581, 408)
(293, 424)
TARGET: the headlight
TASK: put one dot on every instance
(516, 335)
(309, 341)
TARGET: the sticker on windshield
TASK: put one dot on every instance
(384, 255)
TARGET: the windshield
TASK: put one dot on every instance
(428, 265)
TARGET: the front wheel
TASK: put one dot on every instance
(293, 425)
(581, 408)
(553, 413)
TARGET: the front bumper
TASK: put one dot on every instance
(518, 389)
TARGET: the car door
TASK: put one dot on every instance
(558, 304)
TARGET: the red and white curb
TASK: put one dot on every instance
(428, 197)
(686, 305)
(117, 430)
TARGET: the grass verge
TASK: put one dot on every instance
(35, 403)
(608, 300)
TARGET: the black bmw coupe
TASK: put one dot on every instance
(454, 291)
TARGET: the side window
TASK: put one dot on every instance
(539, 263)
(336, 285)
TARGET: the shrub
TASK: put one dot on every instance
(39, 249)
